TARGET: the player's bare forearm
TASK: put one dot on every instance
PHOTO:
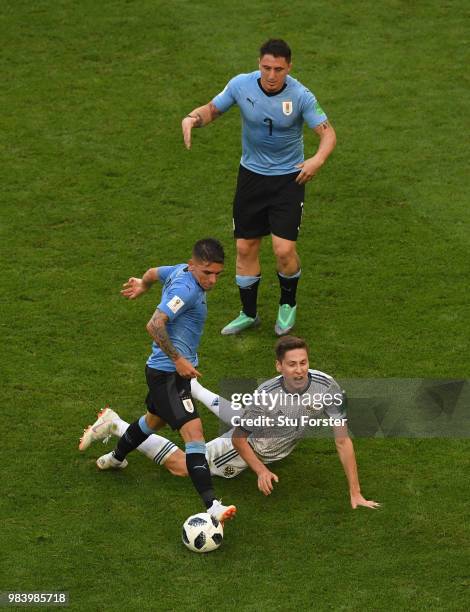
(240, 443)
(265, 476)
(345, 449)
(327, 144)
(313, 164)
(347, 456)
(137, 286)
(198, 117)
(156, 327)
(150, 277)
(202, 115)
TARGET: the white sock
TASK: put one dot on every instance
(155, 447)
(217, 404)
(119, 427)
(205, 396)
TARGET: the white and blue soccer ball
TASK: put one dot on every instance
(202, 533)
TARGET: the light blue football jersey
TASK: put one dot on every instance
(184, 301)
(272, 139)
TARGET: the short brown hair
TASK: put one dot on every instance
(277, 48)
(209, 250)
(288, 343)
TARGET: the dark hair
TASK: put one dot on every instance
(288, 343)
(209, 250)
(276, 47)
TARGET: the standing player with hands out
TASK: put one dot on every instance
(176, 328)
(271, 180)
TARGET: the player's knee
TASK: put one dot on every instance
(285, 253)
(247, 249)
(152, 421)
(192, 431)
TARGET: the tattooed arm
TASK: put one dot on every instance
(311, 166)
(199, 117)
(156, 327)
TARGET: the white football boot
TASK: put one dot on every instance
(100, 430)
(109, 462)
(220, 512)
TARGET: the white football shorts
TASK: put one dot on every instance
(222, 458)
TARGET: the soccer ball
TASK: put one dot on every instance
(202, 533)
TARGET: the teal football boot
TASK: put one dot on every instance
(239, 324)
(285, 319)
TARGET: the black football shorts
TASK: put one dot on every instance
(267, 205)
(169, 397)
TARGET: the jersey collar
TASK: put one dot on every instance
(270, 94)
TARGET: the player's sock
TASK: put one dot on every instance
(248, 288)
(119, 427)
(288, 286)
(155, 447)
(207, 397)
(135, 434)
(198, 470)
(218, 405)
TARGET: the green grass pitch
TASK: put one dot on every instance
(96, 186)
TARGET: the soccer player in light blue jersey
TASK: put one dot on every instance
(176, 328)
(273, 172)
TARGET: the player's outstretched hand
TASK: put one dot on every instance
(186, 369)
(358, 500)
(308, 169)
(187, 125)
(265, 481)
(133, 288)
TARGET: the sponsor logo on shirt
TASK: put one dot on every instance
(175, 304)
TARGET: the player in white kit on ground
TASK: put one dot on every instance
(281, 413)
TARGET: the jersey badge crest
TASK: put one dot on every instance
(287, 107)
(229, 471)
(188, 405)
(175, 304)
